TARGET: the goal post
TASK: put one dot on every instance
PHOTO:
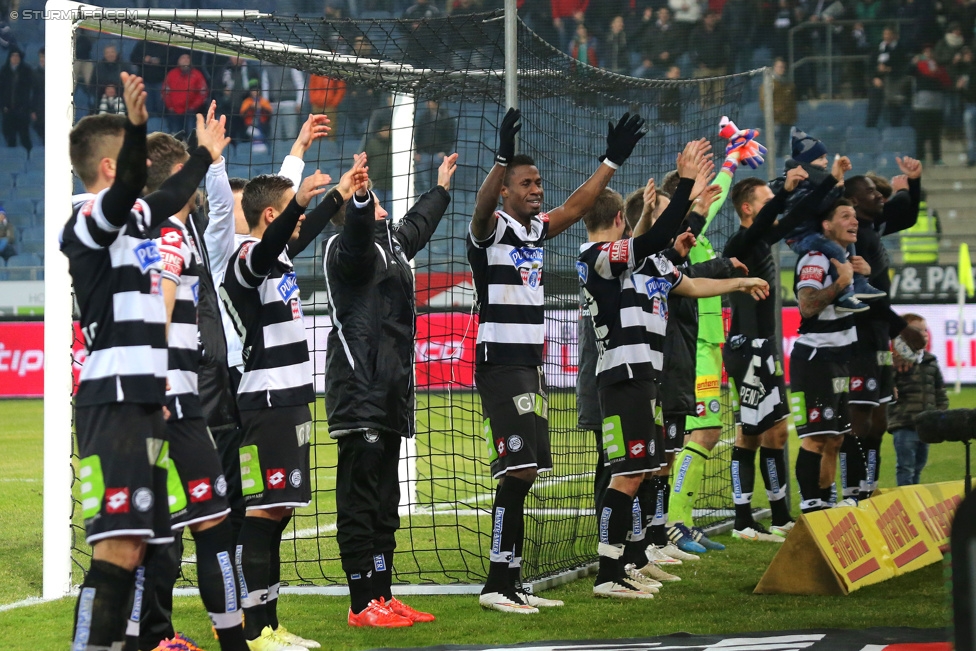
(460, 63)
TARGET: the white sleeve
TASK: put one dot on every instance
(292, 168)
(219, 236)
(812, 271)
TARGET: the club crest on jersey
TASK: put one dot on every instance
(531, 277)
(147, 254)
(288, 285)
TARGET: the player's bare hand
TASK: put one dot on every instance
(911, 167)
(755, 287)
(446, 171)
(212, 135)
(705, 200)
(315, 127)
(706, 174)
(860, 265)
(899, 183)
(312, 186)
(845, 272)
(794, 177)
(650, 193)
(211, 112)
(842, 165)
(348, 181)
(361, 185)
(739, 266)
(690, 158)
(134, 95)
(684, 243)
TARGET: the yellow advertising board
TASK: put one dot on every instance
(898, 519)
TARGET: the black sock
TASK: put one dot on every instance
(135, 612)
(808, 479)
(100, 613)
(853, 471)
(601, 478)
(872, 463)
(383, 575)
(257, 535)
(658, 530)
(773, 467)
(743, 484)
(360, 589)
(515, 565)
(274, 573)
(615, 516)
(642, 512)
(217, 579)
(506, 526)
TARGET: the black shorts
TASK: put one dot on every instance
(631, 439)
(196, 485)
(124, 456)
(760, 389)
(673, 433)
(872, 378)
(515, 407)
(274, 457)
(819, 394)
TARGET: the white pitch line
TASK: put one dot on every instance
(29, 601)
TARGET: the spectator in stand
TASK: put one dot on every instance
(921, 387)
(784, 106)
(964, 13)
(966, 85)
(920, 26)
(566, 14)
(16, 83)
(948, 54)
(928, 104)
(422, 10)
(8, 235)
(325, 94)
(108, 70)
(889, 87)
(184, 93)
(616, 56)
(869, 11)
(857, 43)
(285, 89)
(379, 155)
(234, 84)
(709, 51)
(660, 42)
(669, 98)
(111, 102)
(149, 61)
(783, 22)
(361, 101)
(256, 113)
(739, 18)
(435, 134)
(687, 14)
(83, 66)
(37, 97)
(584, 47)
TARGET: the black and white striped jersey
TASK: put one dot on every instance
(267, 313)
(628, 302)
(507, 272)
(182, 264)
(830, 333)
(117, 275)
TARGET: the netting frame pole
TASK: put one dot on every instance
(402, 164)
(59, 31)
(511, 53)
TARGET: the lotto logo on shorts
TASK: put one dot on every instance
(116, 500)
(200, 490)
(813, 416)
(275, 478)
(857, 383)
(500, 447)
(637, 450)
(700, 409)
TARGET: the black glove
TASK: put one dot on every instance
(506, 136)
(622, 139)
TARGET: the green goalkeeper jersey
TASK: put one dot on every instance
(710, 326)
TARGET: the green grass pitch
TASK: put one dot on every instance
(714, 596)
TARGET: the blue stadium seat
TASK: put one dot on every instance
(863, 143)
(24, 260)
(32, 191)
(9, 165)
(32, 234)
(36, 161)
(19, 211)
(25, 180)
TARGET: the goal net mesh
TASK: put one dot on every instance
(362, 73)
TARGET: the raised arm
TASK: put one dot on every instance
(901, 211)
(418, 225)
(316, 220)
(483, 220)
(315, 127)
(279, 232)
(621, 140)
(130, 176)
(353, 253)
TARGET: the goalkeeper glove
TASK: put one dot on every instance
(506, 136)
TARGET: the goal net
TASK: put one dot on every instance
(408, 92)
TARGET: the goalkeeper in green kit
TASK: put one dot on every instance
(692, 402)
